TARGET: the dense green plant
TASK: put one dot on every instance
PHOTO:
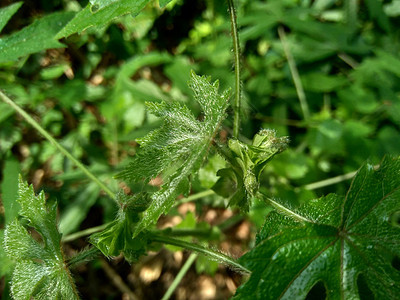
(40, 269)
(342, 247)
(340, 241)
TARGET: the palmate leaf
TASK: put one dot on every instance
(344, 242)
(178, 148)
(40, 270)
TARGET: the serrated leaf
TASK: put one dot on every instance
(339, 241)
(7, 12)
(40, 270)
(34, 38)
(6, 264)
(178, 148)
(105, 12)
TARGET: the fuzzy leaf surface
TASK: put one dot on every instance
(344, 242)
(38, 36)
(40, 270)
(178, 148)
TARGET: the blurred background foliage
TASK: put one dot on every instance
(90, 95)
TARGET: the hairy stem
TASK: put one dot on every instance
(295, 74)
(180, 276)
(212, 254)
(83, 256)
(236, 52)
(64, 151)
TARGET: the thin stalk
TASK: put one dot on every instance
(212, 254)
(64, 151)
(332, 180)
(195, 197)
(88, 231)
(295, 74)
(201, 233)
(329, 181)
(179, 276)
(349, 60)
(236, 53)
(83, 256)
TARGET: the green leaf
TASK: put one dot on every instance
(34, 38)
(326, 137)
(9, 189)
(100, 15)
(100, 4)
(206, 265)
(344, 243)
(117, 236)
(178, 148)
(53, 72)
(6, 264)
(40, 270)
(320, 83)
(164, 2)
(77, 211)
(376, 12)
(128, 98)
(240, 182)
(130, 67)
(7, 12)
(392, 9)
